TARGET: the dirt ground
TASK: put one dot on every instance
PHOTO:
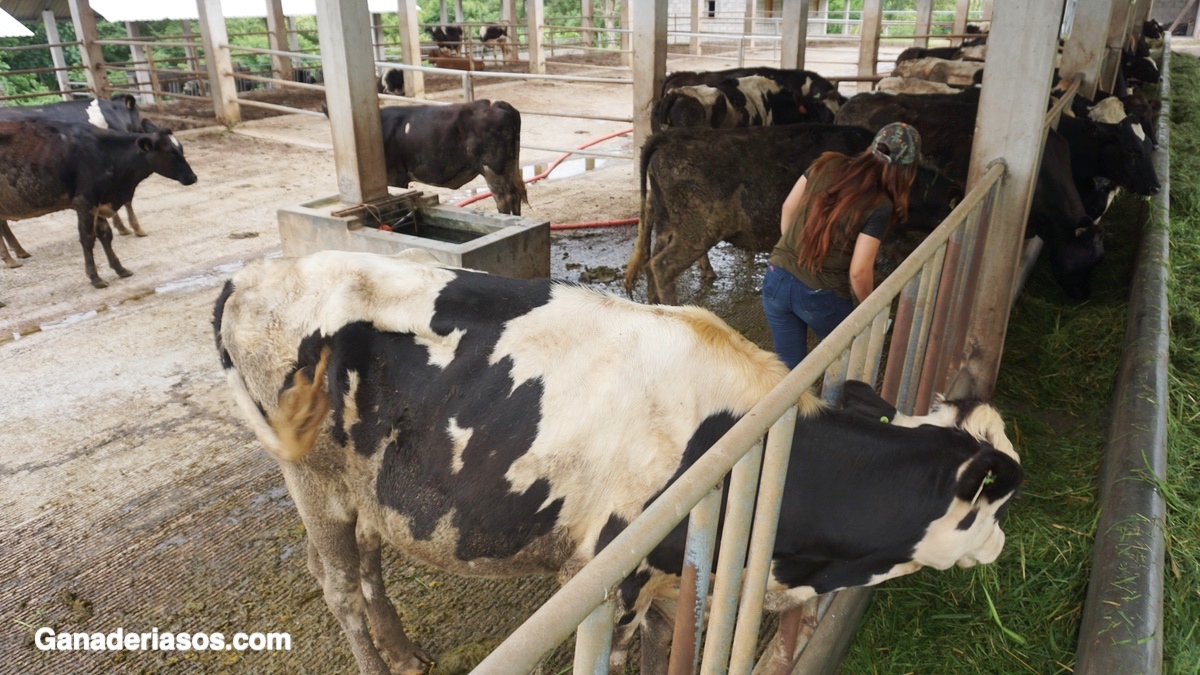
(131, 494)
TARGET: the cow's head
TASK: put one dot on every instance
(1125, 156)
(164, 154)
(1075, 256)
(932, 197)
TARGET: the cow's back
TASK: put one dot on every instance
(37, 169)
(486, 418)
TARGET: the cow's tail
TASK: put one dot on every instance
(641, 246)
(293, 431)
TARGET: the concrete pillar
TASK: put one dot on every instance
(961, 12)
(868, 49)
(924, 22)
(748, 25)
(627, 37)
(795, 33)
(535, 16)
(89, 52)
(508, 13)
(445, 13)
(587, 16)
(1085, 49)
(221, 84)
(193, 63)
(458, 11)
(345, 32)
(140, 63)
(1117, 24)
(1024, 39)
(410, 46)
(277, 26)
(694, 46)
(987, 9)
(56, 53)
(650, 63)
(846, 18)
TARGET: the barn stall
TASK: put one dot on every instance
(200, 592)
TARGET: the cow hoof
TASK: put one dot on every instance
(13, 263)
(123, 273)
(123, 232)
(99, 283)
(139, 233)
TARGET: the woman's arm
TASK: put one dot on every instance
(862, 266)
(791, 204)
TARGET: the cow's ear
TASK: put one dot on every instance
(990, 475)
(860, 398)
(145, 144)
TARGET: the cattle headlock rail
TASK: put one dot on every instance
(933, 284)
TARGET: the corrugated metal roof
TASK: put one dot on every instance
(141, 10)
(29, 11)
(10, 27)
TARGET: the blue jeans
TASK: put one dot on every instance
(792, 308)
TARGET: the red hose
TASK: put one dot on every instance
(553, 165)
(595, 223)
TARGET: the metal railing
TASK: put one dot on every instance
(934, 285)
(58, 88)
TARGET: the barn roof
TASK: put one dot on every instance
(10, 27)
(140, 10)
(29, 11)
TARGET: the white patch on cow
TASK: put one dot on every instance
(898, 570)
(350, 401)
(175, 142)
(407, 126)
(933, 69)
(780, 598)
(459, 437)
(944, 545)
(1138, 131)
(441, 348)
(1108, 111)
(983, 423)
(807, 86)
(1152, 63)
(95, 115)
(707, 96)
(910, 85)
(756, 89)
(973, 53)
(686, 365)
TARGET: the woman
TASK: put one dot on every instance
(832, 223)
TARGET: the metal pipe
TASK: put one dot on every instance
(272, 106)
(901, 331)
(1122, 625)
(915, 362)
(731, 561)
(593, 641)
(694, 583)
(762, 541)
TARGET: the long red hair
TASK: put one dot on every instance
(850, 195)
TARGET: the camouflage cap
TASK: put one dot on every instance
(897, 143)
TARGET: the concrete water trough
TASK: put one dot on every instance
(510, 246)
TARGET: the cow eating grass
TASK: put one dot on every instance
(503, 427)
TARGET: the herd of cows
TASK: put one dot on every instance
(468, 419)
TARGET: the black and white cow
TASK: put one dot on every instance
(120, 113)
(712, 185)
(450, 145)
(392, 82)
(751, 101)
(806, 82)
(493, 38)
(47, 167)
(449, 39)
(468, 420)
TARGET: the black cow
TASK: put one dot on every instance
(449, 39)
(1116, 152)
(1152, 30)
(751, 101)
(47, 167)
(1138, 68)
(450, 145)
(468, 419)
(120, 113)
(713, 185)
(494, 37)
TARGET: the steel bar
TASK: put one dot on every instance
(555, 619)
(731, 560)
(270, 106)
(47, 45)
(915, 361)
(875, 348)
(893, 375)
(42, 93)
(284, 83)
(593, 642)
(144, 43)
(762, 541)
(1122, 626)
(694, 583)
(833, 635)
(835, 375)
(946, 296)
(582, 153)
